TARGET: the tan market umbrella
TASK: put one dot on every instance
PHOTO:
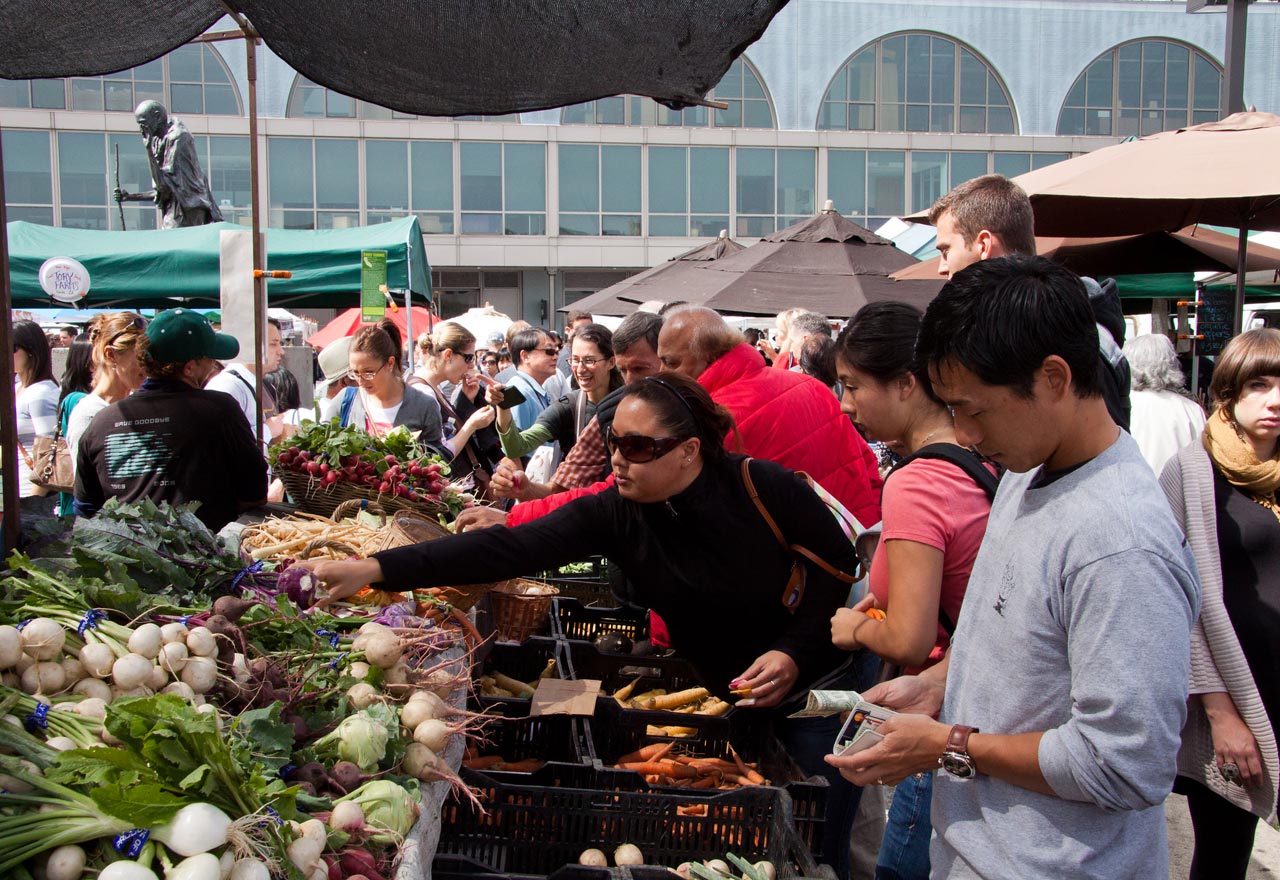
(828, 264)
(1193, 249)
(1224, 173)
(661, 282)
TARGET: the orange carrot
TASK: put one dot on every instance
(651, 752)
(487, 762)
(745, 769)
(661, 768)
(528, 765)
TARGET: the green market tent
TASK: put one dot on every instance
(157, 267)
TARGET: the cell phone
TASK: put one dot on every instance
(511, 396)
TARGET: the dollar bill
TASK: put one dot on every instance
(823, 703)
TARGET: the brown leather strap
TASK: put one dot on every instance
(958, 739)
(777, 532)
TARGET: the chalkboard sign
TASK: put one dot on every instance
(1214, 320)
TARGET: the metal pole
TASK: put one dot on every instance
(1242, 266)
(8, 401)
(259, 240)
(1233, 79)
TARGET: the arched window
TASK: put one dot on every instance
(741, 88)
(312, 100)
(917, 82)
(1141, 88)
(190, 79)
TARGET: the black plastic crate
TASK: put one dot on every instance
(453, 867)
(591, 587)
(536, 830)
(523, 662)
(616, 732)
(510, 731)
(571, 619)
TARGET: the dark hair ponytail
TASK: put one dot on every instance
(685, 409)
(880, 340)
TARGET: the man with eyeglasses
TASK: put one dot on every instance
(240, 381)
(172, 440)
(534, 354)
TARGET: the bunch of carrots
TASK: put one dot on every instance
(658, 766)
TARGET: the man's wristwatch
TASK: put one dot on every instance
(956, 759)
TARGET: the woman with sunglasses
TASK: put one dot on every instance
(116, 370)
(448, 359)
(37, 411)
(595, 369)
(684, 529)
(380, 401)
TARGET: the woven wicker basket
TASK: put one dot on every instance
(312, 496)
(521, 608)
(408, 527)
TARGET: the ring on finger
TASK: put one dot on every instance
(1230, 771)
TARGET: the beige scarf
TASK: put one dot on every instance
(1235, 457)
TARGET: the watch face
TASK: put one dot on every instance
(958, 765)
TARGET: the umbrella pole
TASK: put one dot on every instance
(1242, 261)
(8, 406)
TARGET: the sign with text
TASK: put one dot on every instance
(373, 275)
(1214, 320)
(64, 279)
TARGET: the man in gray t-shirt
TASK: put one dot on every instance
(1061, 703)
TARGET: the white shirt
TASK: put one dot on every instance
(1163, 422)
(78, 422)
(229, 382)
(37, 408)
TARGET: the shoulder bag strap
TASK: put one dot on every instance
(777, 532)
(579, 414)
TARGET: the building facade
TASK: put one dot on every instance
(879, 106)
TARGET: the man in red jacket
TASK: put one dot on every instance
(786, 417)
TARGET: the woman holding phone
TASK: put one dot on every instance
(676, 522)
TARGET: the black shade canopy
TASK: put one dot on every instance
(430, 57)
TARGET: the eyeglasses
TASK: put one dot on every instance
(490, 362)
(639, 449)
(466, 358)
(552, 352)
(136, 322)
(368, 375)
(587, 362)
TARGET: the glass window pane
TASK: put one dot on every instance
(918, 78)
(942, 118)
(756, 181)
(709, 180)
(620, 224)
(611, 111)
(1129, 75)
(973, 79)
(667, 179)
(701, 226)
(525, 224)
(118, 96)
(220, 101)
(229, 170)
(82, 169)
(928, 178)
(481, 224)
(756, 114)
(184, 64)
(833, 115)
(1175, 119)
(386, 165)
(893, 69)
(27, 178)
(579, 179)
(1042, 160)
(730, 85)
(1011, 164)
(1208, 82)
(86, 94)
(620, 180)
(751, 85)
(337, 174)
(339, 106)
(967, 166)
(145, 91)
(43, 216)
(289, 173)
(579, 224)
(755, 227)
(973, 119)
(432, 175)
(796, 169)
(1152, 74)
(1000, 120)
(152, 71)
(1097, 122)
(135, 170)
(862, 76)
(213, 71)
(917, 117)
(846, 181)
(337, 220)
(943, 79)
(669, 225)
(481, 178)
(1178, 77)
(136, 217)
(15, 93)
(438, 223)
(578, 114)
(886, 182)
(186, 98)
(294, 219)
(1099, 81)
(525, 174)
(862, 117)
(1071, 122)
(84, 218)
(730, 117)
(839, 88)
(1075, 97)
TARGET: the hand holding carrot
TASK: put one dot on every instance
(770, 678)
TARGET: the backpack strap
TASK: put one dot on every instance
(344, 411)
(579, 413)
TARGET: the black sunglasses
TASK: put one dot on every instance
(137, 322)
(467, 358)
(639, 449)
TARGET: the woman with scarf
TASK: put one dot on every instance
(1223, 491)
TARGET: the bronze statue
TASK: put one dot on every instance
(181, 189)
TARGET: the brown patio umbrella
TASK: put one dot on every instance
(1224, 173)
(662, 281)
(828, 264)
(1193, 249)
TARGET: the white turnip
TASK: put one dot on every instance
(45, 677)
(61, 743)
(92, 707)
(126, 870)
(119, 693)
(347, 816)
(131, 671)
(194, 829)
(11, 680)
(423, 764)
(96, 658)
(383, 649)
(203, 866)
(181, 689)
(43, 638)
(249, 869)
(628, 854)
(362, 695)
(173, 656)
(398, 674)
(65, 863)
(719, 866)
(10, 646)
(200, 673)
(158, 679)
(433, 733)
(173, 632)
(436, 706)
(358, 670)
(766, 869)
(73, 669)
(201, 642)
(593, 858)
(414, 713)
(146, 641)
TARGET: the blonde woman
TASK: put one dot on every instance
(1222, 489)
(116, 370)
(448, 358)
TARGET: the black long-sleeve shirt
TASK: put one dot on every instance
(705, 560)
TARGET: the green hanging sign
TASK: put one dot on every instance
(373, 277)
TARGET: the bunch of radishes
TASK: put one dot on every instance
(420, 480)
